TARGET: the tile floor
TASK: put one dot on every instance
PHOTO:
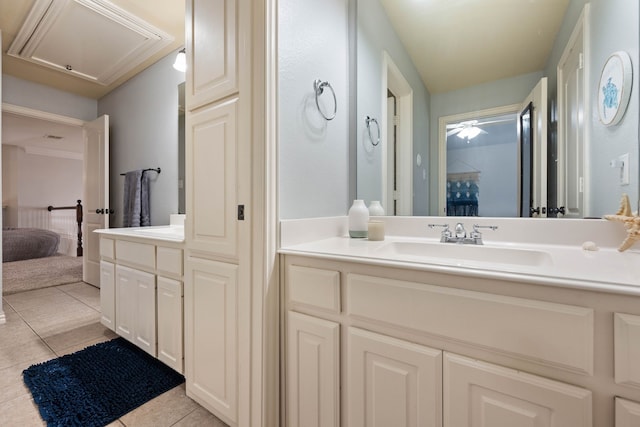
(47, 323)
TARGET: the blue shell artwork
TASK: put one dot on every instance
(615, 88)
(610, 100)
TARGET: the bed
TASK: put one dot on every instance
(26, 243)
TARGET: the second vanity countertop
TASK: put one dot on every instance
(564, 265)
(168, 233)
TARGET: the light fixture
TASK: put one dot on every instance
(469, 132)
(181, 61)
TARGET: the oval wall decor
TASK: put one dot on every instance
(614, 89)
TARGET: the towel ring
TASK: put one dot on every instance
(368, 121)
(318, 87)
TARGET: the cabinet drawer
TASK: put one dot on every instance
(627, 349)
(169, 260)
(136, 253)
(551, 334)
(314, 287)
(107, 248)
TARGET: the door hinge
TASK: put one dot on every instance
(396, 120)
(580, 61)
(240, 212)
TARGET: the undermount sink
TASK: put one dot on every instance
(465, 254)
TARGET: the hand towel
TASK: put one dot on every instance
(132, 191)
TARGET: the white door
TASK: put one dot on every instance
(572, 129)
(96, 195)
(538, 98)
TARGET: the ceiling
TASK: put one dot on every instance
(165, 15)
(43, 137)
(461, 43)
(46, 137)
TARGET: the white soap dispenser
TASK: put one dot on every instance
(375, 208)
(358, 219)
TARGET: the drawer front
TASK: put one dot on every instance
(169, 260)
(551, 334)
(314, 287)
(136, 253)
(107, 248)
(627, 349)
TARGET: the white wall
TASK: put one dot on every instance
(10, 185)
(617, 25)
(376, 35)
(143, 117)
(44, 98)
(31, 183)
(313, 153)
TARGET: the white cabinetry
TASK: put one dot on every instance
(141, 293)
(490, 395)
(392, 382)
(108, 294)
(211, 334)
(211, 161)
(627, 413)
(218, 159)
(313, 372)
(169, 302)
(212, 35)
(408, 354)
(136, 307)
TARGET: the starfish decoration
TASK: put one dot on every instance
(631, 223)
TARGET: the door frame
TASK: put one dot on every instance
(442, 144)
(393, 80)
(582, 26)
(43, 115)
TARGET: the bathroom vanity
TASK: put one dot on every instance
(378, 336)
(141, 288)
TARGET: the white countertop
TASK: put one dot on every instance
(568, 265)
(168, 233)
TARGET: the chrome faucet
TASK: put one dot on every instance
(460, 236)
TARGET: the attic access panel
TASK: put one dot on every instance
(91, 39)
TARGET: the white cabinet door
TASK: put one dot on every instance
(627, 413)
(211, 335)
(136, 307)
(145, 314)
(313, 372)
(211, 197)
(169, 296)
(108, 295)
(479, 393)
(212, 70)
(125, 302)
(392, 382)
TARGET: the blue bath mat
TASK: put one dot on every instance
(97, 385)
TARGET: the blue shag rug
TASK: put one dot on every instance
(97, 385)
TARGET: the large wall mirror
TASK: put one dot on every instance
(448, 85)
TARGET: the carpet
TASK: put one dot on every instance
(97, 385)
(30, 274)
